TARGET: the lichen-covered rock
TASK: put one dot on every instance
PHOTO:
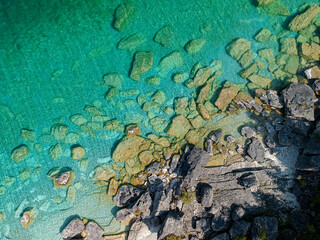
(129, 147)
(260, 81)
(303, 20)
(63, 179)
(27, 218)
(164, 36)
(131, 42)
(74, 228)
(78, 152)
(123, 15)
(104, 173)
(78, 119)
(200, 77)
(238, 47)
(195, 45)
(59, 131)
(310, 51)
(27, 134)
(20, 153)
(113, 80)
(299, 101)
(142, 63)
(263, 35)
(172, 60)
(179, 127)
(55, 151)
(225, 97)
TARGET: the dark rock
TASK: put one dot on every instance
(239, 228)
(299, 220)
(192, 169)
(299, 101)
(143, 205)
(206, 195)
(237, 213)
(162, 201)
(203, 224)
(127, 195)
(248, 132)
(74, 228)
(270, 142)
(172, 225)
(248, 180)
(216, 136)
(94, 232)
(316, 86)
(174, 162)
(264, 226)
(270, 129)
(220, 221)
(223, 236)
(256, 150)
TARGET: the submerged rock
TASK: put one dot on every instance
(164, 36)
(179, 127)
(55, 151)
(63, 179)
(259, 81)
(238, 47)
(131, 42)
(263, 35)
(74, 228)
(113, 80)
(172, 60)
(132, 130)
(27, 218)
(195, 45)
(104, 173)
(27, 134)
(20, 153)
(123, 15)
(303, 20)
(142, 63)
(59, 131)
(78, 152)
(225, 97)
(310, 51)
(299, 101)
(200, 77)
(264, 2)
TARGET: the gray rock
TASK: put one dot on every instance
(141, 230)
(230, 139)
(174, 162)
(154, 168)
(74, 228)
(192, 168)
(256, 150)
(216, 136)
(206, 195)
(299, 101)
(223, 236)
(270, 142)
(220, 221)
(162, 201)
(239, 228)
(127, 195)
(270, 129)
(94, 231)
(125, 214)
(143, 205)
(264, 225)
(237, 213)
(248, 132)
(172, 225)
(248, 180)
(274, 100)
(203, 224)
(316, 86)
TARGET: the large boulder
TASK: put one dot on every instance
(94, 231)
(172, 225)
(127, 195)
(299, 101)
(256, 150)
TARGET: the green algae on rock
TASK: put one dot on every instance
(195, 45)
(303, 20)
(154, 80)
(142, 63)
(123, 15)
(164, 36)
(20, 153)
(78, 119)
(259, 81)
(179, 126)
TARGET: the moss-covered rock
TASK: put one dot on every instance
(146, 157)
(28, 134)
(20, 153)
(195, 45)
(246, 58)
(164, 36)
(113, 187)
(179, 77)
(142, 63)
(303, 20)
(133, 166)
(78, 119)
(179, 127)
(159, 97)
(310, 51)
(238, 47)
(292, 64)
(289, 46)
(131, 42)
(113, 80)
(123, 15)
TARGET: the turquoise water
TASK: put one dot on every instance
(53, 55)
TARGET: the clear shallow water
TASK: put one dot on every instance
(53, 55)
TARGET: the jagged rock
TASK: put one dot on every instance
(143, 205)
(127, 195)
(248, 180)
(312, 73)
(20, 153)
(179, 127)
(164, 36)
(248, 132)
(264, 226)
(239, 228)
(93, 231)
(142, 63)
(238, 47)
(269, 141)
(256, 150)
(122, 16)
(299, 101)
(203, 224)
(316, 86)
(59, 131)
(303, 20)
(223, 236)
(131, 42)
(195, 45)
(206, 195)
(74, 228)
(172, 225)
(162, 200)
(192, 166)
(125, 216)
